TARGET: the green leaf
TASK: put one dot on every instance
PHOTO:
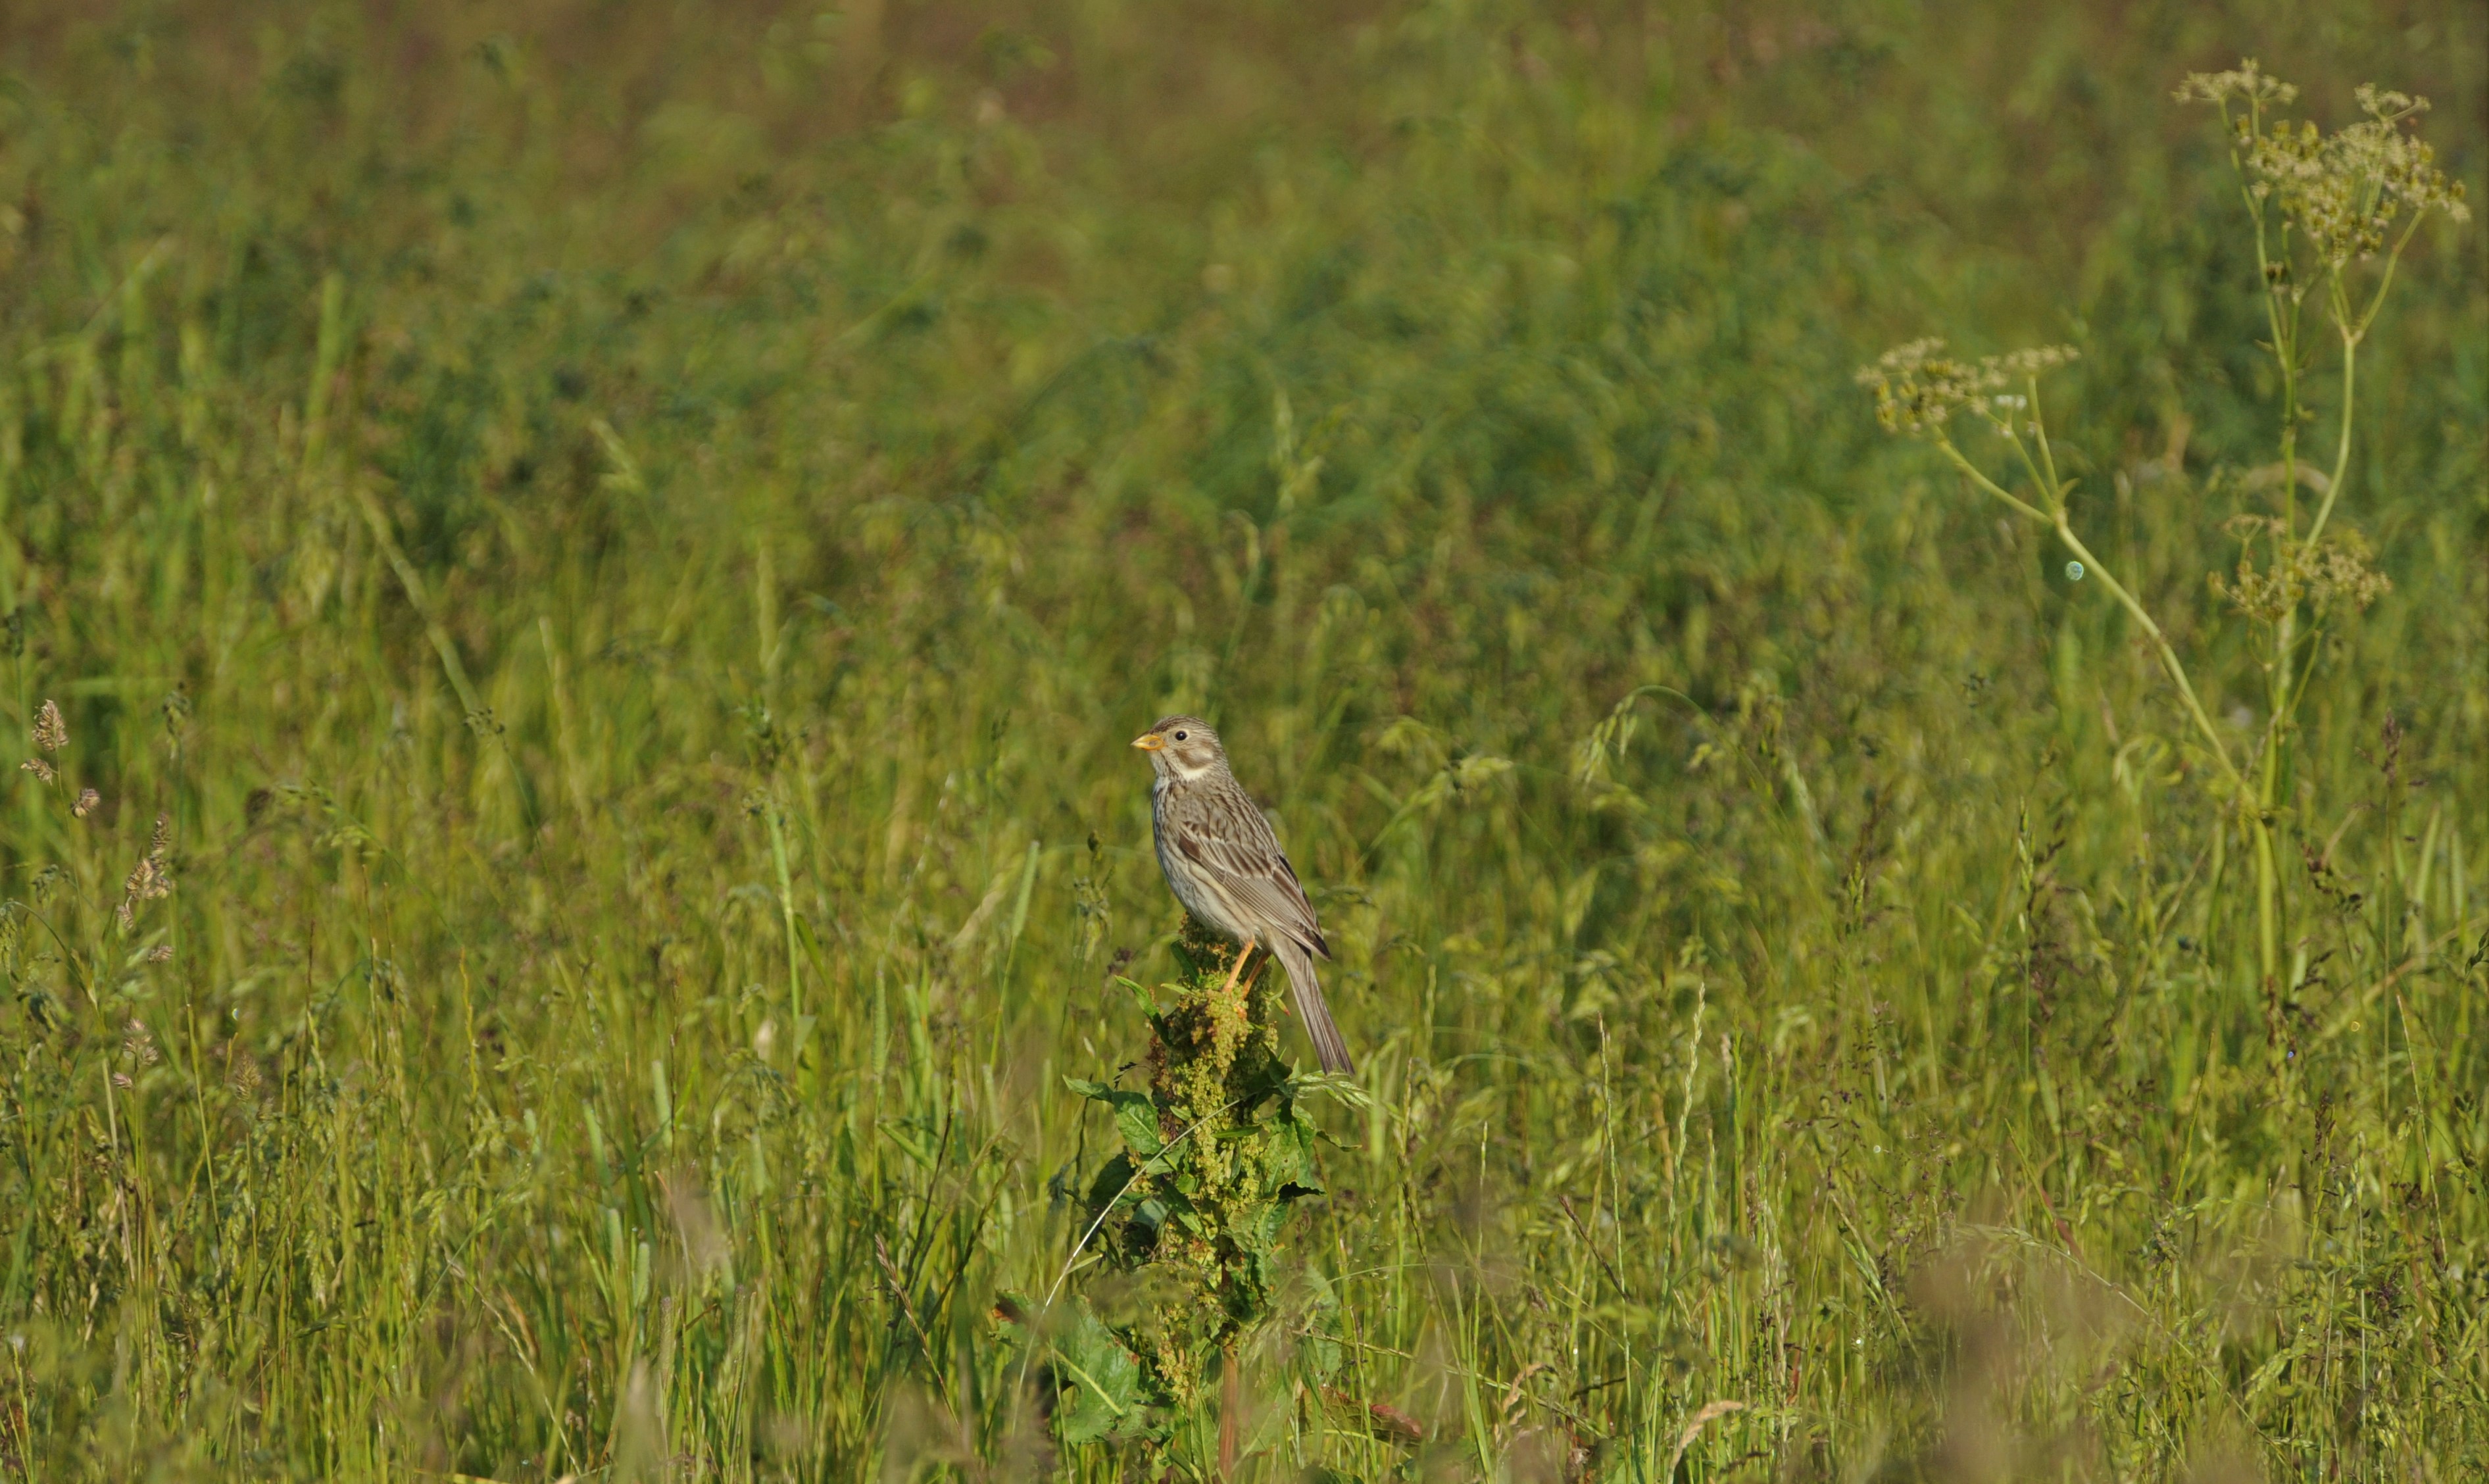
(1136, 1119)
(1101, 1381)
(1288, 1167)
(1137, 1114)
(1142, 997)
(1113, 1185)
(1348, 1090)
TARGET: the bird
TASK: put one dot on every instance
(1224, 862)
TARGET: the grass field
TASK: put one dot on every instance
(600, 562)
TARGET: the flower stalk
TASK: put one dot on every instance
(2323, 208)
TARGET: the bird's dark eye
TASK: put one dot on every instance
(1180, 736)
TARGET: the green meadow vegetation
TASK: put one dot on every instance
(577, 578)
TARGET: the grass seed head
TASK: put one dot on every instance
(152, 878)
(51, 734)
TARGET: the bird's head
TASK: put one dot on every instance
(1182, 747)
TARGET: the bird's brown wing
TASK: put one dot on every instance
(1226, 837)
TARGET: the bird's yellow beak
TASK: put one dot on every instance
(1148, 741)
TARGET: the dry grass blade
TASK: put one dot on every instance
(1708, 1413)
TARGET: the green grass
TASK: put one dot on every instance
(627, 545)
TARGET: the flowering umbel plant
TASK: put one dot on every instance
(2342, 191)
(1918, 387)
(2333, 214)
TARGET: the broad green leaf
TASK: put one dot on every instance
(1136, 1119)
(1100, 1381)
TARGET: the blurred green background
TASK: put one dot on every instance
(626, 543)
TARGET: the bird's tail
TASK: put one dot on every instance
(1310, 1007)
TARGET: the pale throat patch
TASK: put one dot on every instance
(1171, 767)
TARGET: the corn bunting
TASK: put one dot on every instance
(1225, 865)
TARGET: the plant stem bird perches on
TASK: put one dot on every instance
(1188, 1216)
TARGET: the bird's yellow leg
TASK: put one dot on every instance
(1238, 967)
(1245, 1001)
